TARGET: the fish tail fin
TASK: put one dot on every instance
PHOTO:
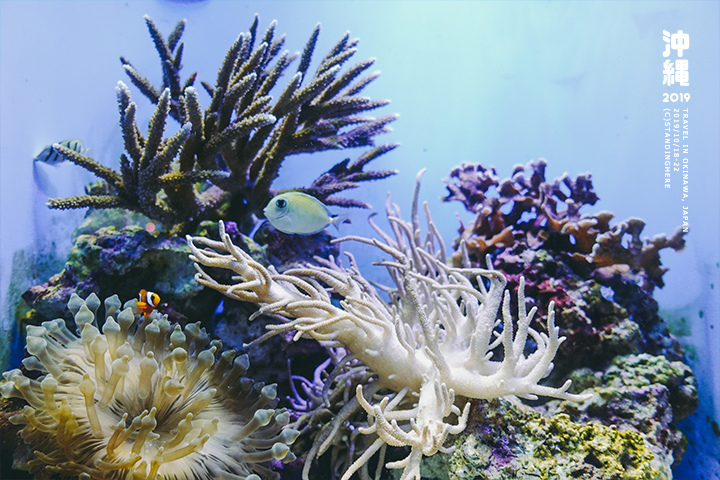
(340, 219)
(256, 227)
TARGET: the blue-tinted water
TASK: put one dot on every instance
(577, 83)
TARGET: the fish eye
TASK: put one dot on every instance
(281, 203)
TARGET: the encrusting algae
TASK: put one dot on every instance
(143, 399)
(507, 441)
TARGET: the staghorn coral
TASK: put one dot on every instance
(149, 182)
(143, 399)
(526, 208)
(240, 141)
(432, 347)
(305, 118)
(232, 151)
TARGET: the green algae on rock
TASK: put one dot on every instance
(119, 260)
(507, 441)
(646, 393)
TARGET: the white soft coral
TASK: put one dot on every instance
(433, 341)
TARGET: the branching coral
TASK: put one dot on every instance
(143, 399)
(621, 250)
(322, 115)
(528, 208)
(149, 182)
(433, 345)
(240, 141)
(549, 204)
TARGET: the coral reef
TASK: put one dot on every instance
(231, 153)
(506, 441)
(624, 430)
(432, 366)
(604, 311)
(143, 399)
(643, 393)
(527, 208)
(433, 342)
(122, 260)
(601, 279)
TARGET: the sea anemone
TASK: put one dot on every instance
(143, 399)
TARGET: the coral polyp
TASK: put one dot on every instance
(143, 399)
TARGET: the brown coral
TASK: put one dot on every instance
(529, 209)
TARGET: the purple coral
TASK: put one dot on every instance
(470, 185)
(529, 209)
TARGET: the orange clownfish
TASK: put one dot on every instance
(147, 301)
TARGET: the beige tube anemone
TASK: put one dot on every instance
(143, 399)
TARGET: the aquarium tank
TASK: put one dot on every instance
(334, 240)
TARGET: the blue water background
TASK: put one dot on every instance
(577, 83)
